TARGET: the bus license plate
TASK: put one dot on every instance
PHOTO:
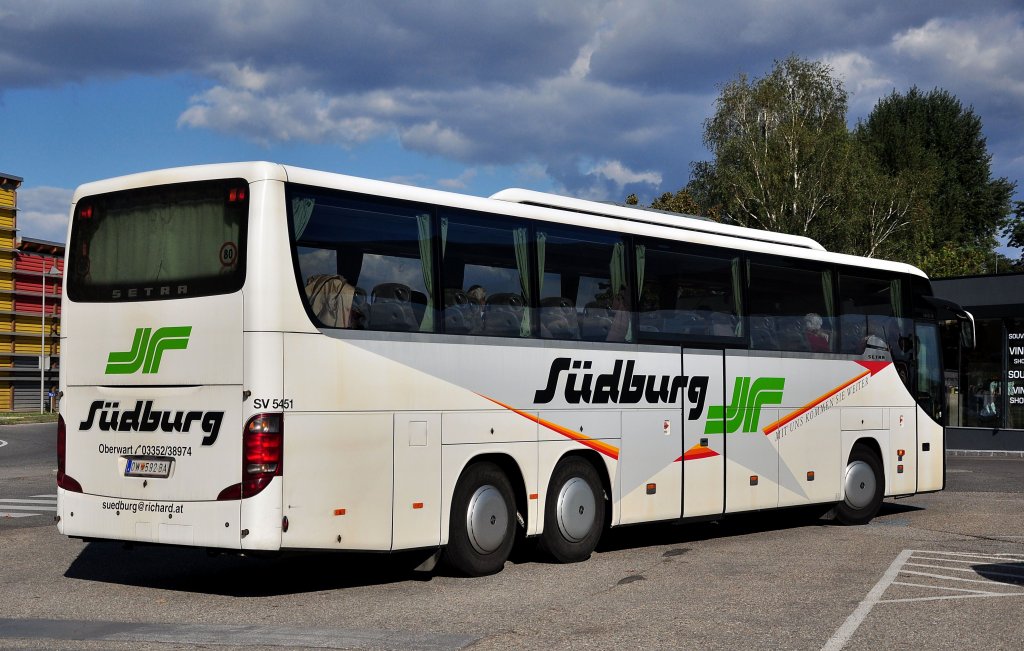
(147, 467)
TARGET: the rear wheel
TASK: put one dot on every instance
(482, 526)
(863, 484)
(574, 511)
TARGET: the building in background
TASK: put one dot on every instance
(985, 386)
(29, 336)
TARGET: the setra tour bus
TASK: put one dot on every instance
(262, 357)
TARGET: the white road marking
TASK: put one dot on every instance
(982, 566)
(853, 622)
(40, 505)
(2, 443)
(28, 507)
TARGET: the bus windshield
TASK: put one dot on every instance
(173, 241)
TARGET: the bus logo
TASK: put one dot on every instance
(745, 411)
(147, 349)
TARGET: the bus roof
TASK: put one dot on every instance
(681, 221)
(520, 203)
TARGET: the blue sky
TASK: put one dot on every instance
(595, 99)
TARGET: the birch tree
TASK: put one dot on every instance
(778, 144)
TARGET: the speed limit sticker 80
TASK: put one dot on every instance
(228, 254)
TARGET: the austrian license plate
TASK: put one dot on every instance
(149, 467)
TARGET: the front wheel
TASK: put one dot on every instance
(863, 484)
(482, 526)
(574, 511)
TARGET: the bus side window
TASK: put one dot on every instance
(585, 288)
(687, 292)
(791, 307)
(363, 263)
(486, 275)
(874, 319)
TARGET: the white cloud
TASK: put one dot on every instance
(461, 182)
(544, 88)
(982, 51)
(621, 175)
(43, 212)
(431, 137)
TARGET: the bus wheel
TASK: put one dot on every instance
(863, 484)
(482, 526)
(574, 511)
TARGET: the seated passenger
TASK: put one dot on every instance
(817, 338)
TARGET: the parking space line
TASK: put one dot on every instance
(944, 587)
(982, 565)
(853, 622)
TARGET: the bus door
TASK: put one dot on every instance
(931, 454)
(754, 387)
(704, 444)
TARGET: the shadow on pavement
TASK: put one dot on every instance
(194, 570)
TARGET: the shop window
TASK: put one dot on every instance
(982, 377)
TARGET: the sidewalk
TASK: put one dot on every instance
(1017, 454)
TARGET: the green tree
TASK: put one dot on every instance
(932, 138)
(778, 144)
(1013, 230)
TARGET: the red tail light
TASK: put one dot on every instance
(85, 212)
(262, 456)
(236, 194)
(64, 481)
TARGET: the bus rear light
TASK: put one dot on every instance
(64, 481)
(262, 456)
(236, 194)
(85, 212)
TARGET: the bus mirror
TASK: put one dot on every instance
(967, 340)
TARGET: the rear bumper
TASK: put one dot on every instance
(198, 524)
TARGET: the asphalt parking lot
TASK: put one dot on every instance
(942, 571)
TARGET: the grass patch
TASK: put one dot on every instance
(18, 417)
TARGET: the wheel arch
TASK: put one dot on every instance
(871, 444)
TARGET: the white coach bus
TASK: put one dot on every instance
(262, 357)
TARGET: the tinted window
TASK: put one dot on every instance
(172, 241)
(874, 320)
(687, 293)
(363, 264)
(486, 275)
(791, 307)
(584, 287)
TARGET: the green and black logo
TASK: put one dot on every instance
(745, 411)
(147, 349)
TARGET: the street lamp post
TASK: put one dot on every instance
(42, 336)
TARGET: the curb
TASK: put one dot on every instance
(1013, 454)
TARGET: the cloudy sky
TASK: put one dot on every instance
(594, 99)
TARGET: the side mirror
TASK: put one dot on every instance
(967, 339)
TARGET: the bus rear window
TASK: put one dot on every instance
(172, 241)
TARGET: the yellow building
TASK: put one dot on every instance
(29, 332)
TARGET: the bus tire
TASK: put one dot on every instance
(573, 512)
(482, 526)
(864, 485)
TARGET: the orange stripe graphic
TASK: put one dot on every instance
(876, 367)
(594, 444)
(698, 452)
